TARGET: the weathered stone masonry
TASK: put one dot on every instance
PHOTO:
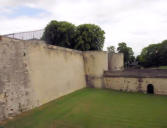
(15, 92)
(33, 73)
(137, 80)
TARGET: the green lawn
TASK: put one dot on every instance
(160, 67)
(95, 108)
(163, 67)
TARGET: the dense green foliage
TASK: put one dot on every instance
(95, 108)
(111, 49)
(60, 34)
(83, 37)
(163, 53)
(89, 37)
(154, 55)
(127, 51)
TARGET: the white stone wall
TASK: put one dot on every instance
(96, 62)
(115, 61)
(136, 84)
(33, 73)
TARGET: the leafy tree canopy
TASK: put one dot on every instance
(127, 51)
(154, 55)
(111, 49)
(163, 53)
(84, 37)
(149, 56)
(60, 34)
(89, 37)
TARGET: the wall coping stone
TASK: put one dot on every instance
(138, 73)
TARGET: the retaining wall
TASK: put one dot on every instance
(33, 73)
(95, 65)
(137, 80)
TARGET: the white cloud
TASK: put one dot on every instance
(136, 22)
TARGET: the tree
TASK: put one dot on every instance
(84, 37)
(89, 37)
(150, 56)
(128, 53)
(111, 49)
(163, 53)
(60, 34)
(154, 55)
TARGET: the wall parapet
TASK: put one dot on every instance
(140, 73)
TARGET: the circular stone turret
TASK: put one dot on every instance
(115, 61)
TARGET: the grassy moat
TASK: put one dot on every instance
(96, 108)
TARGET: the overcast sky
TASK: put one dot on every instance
(136, 22)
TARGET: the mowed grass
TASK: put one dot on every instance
(97, 108)
(163, 67)
(160, 67)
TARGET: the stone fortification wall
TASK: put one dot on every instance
(33, 73)
(115, 61)
(95, 65)
(137, 80)
(54, 71)
(136, 84)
